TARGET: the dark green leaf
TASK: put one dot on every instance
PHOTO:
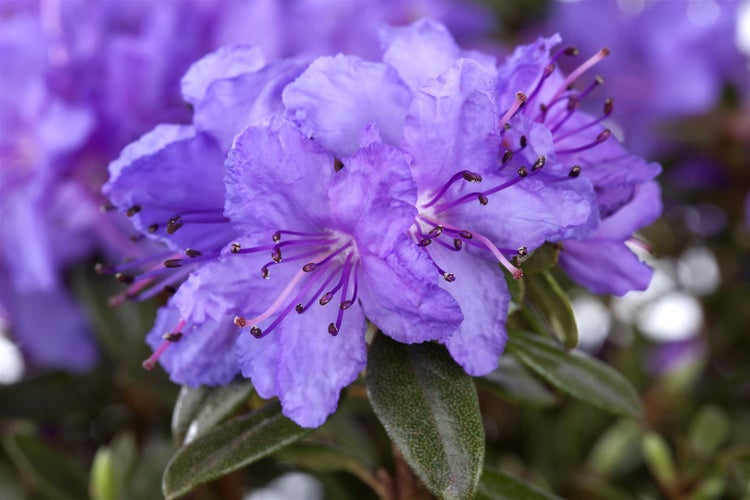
(576, 374)
(327, 458)
(542, 259)
(548, 308)
(228, 447)
(49, 471)
(199, 409)
(497, 485)
(429, 408)
(517, 292)
(513, 382)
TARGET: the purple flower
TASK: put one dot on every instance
(333, 248)
(672, 58)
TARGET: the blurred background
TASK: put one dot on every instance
(81, 79)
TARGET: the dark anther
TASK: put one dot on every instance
(169, 290)
(436, 231)
(333, 330)
(465, 234)
(424, 242)
(256, 332)
(449, 277)
(136, 237)
(599, 80)
(174, 224)
(507, 156)
(571, 51)
(507, 126)
(482, 199)
(522, 172)
(310, 266)
(345, 305)
(124, 278)
(133, 210)
(603, 135)
(337, 165)
(543, 107)
(172, 337)
(107, 207)
(472, 177)
(523, 141)
(235, 247)
(276, 236)
(548, 69)
(609, 106)
(192, 253)
(265, 273)
(573, 104)
(604, 51)
(325, 299)
(575, 171)
(152, 228)
(299, 308)
(521, 96)
(539, 163)
(240, 321)
(458, 244)
(523, 251)
(173, 263)
(276, 255)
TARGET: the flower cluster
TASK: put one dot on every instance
(309, 197)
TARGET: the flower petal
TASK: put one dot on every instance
(399, 294)
(337, 96)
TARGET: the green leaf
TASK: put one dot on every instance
(328, 458)
(576, 374)
(548, 308)
(542, 259)
(113, 469)
(429, 408)
(517, 292)
(513, 382)
(49, 471)
(228, 447)
(497, 485)
(199, 409)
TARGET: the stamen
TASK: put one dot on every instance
(311, 266)
(520, 100)
(608, 108)
(278, 234)
(169, 339)
(603, 136)
(548, 70)
(133, 210)
(300, 308)
(575, 171)
(573, 76)
(466, 175)
(241, 321)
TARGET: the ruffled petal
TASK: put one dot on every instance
(276, 179)
(302, 364)
(231, 104)
(639, 212)
(399, 294)
(337, 96)
(483, 296)
(604, 266)
(226, 62)
(522, 70)
(451, 126)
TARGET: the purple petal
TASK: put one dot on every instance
(227, 62)
(483, 296)
(302, 364)
(450, 126)
(639, 212)
(337, 96)
(277, 178)
(399, 294)
(522, 70)
(604, 266)
(231, 104)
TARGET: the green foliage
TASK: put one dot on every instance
(547, 308)
(429, 408)
(497, 485)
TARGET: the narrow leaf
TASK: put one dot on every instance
(429, 408)
(228, 447)
(548, 308)
(497, 485)
(542, 259)
(512, 381)
(199, 409)
(576, 374)
(48, 470)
